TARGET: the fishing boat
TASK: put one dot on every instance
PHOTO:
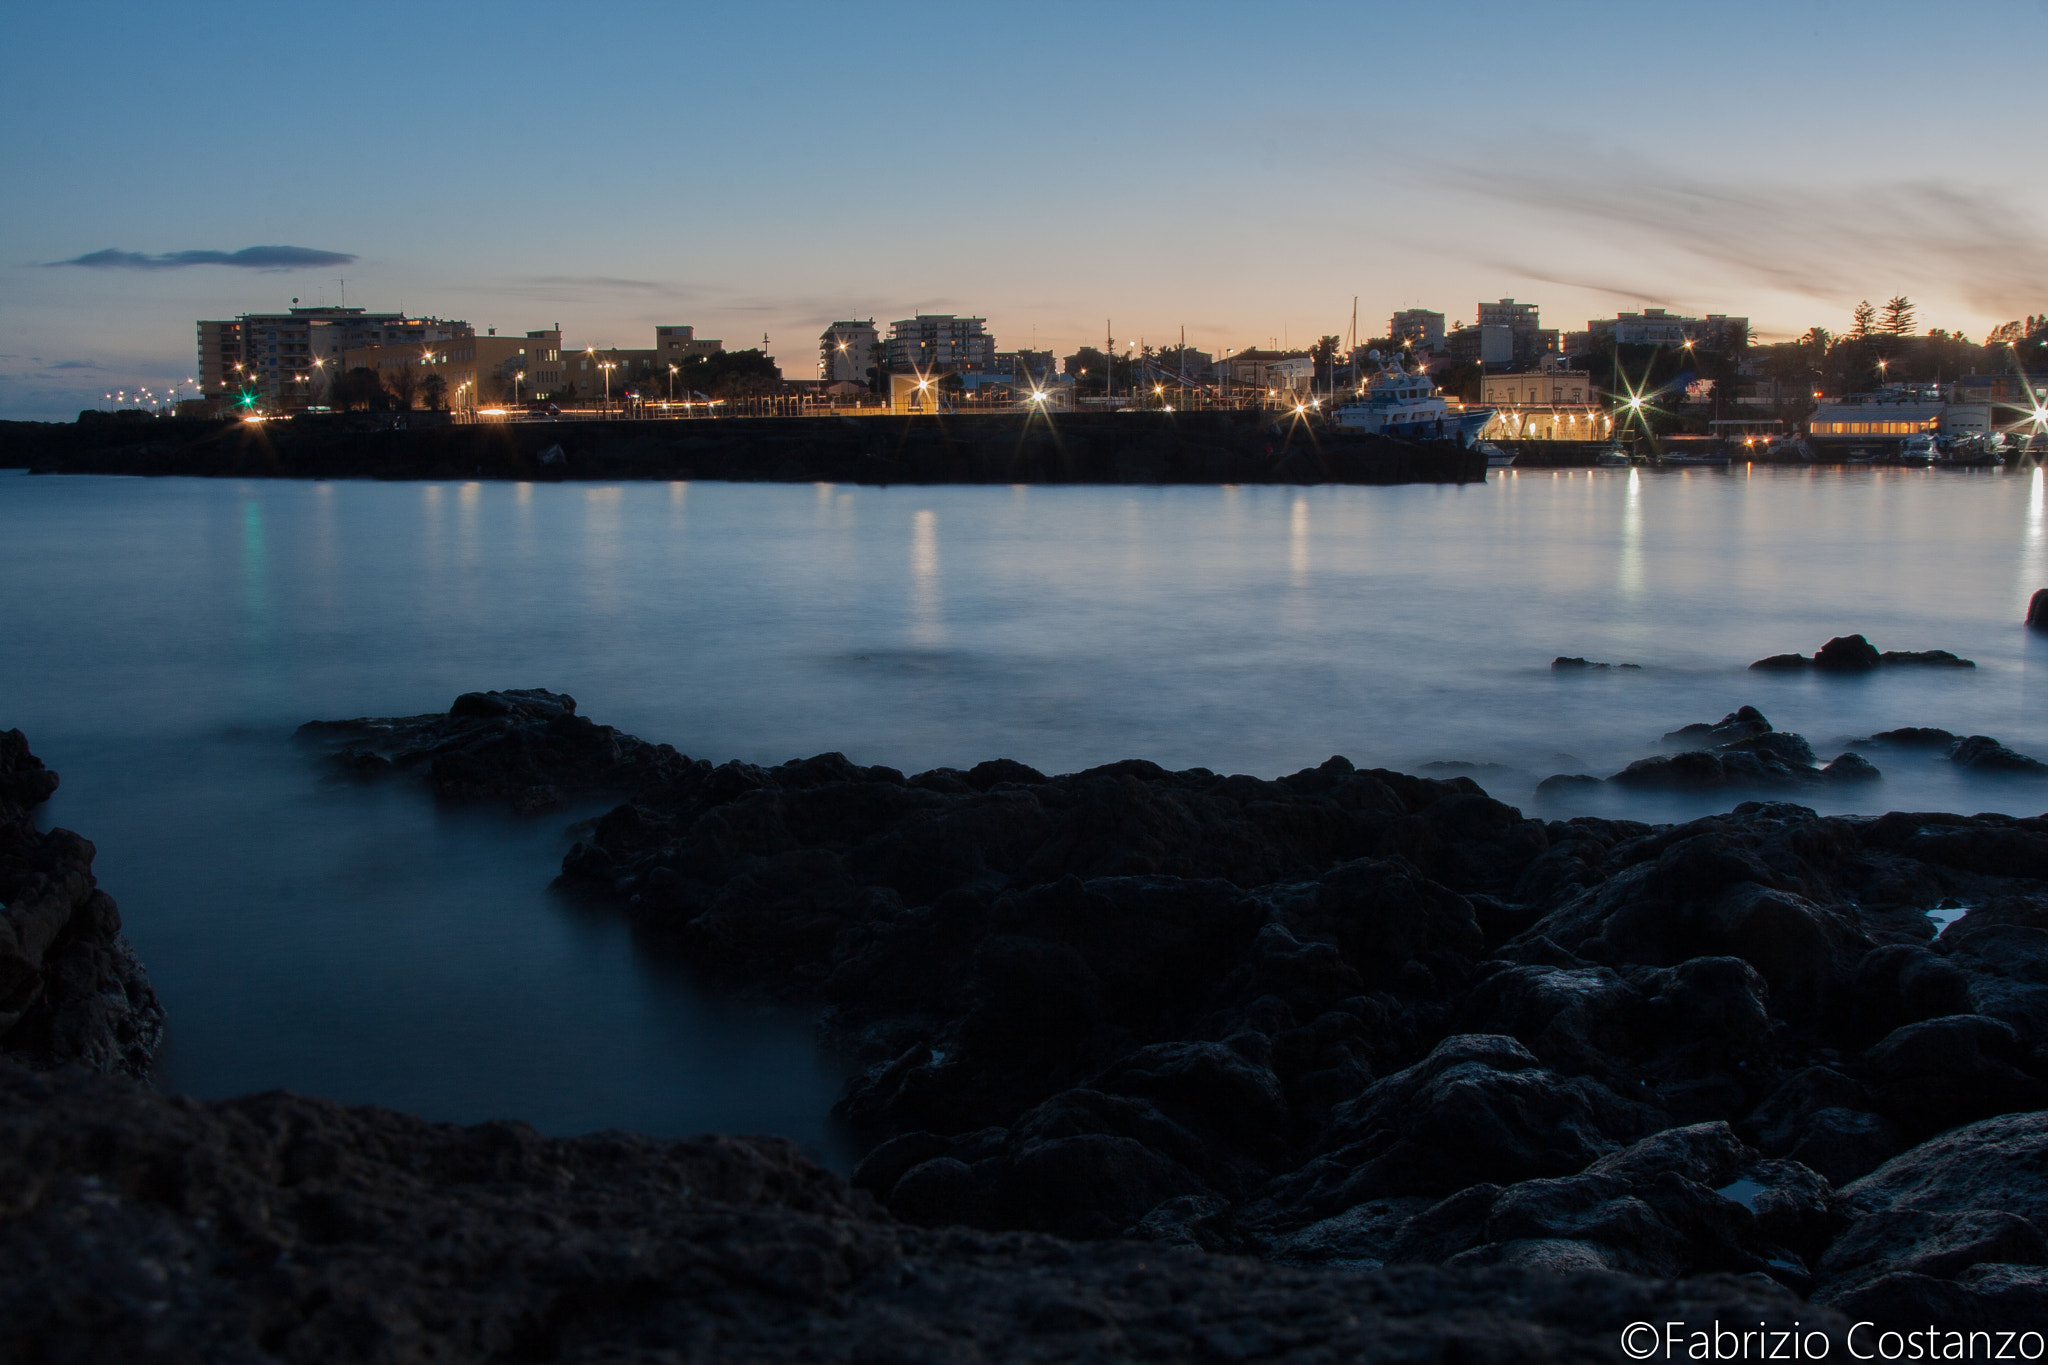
(1398, 402)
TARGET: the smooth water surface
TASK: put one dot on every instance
(162, 638)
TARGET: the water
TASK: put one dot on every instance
(159, 639)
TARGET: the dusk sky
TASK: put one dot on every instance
(1241, 171)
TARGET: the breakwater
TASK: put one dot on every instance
(1081, 448)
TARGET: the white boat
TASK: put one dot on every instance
(1396, 402)
(1496, 458)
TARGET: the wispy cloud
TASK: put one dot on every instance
(1830, 244)
(248, 258)
(75, 365)
(576, 287)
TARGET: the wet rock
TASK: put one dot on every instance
(1981, 753)
(1939, 658)
(1913, 737)
(1854, 654)
(2037, 610)
(525, 746)
(1941, 1072)
(1847, 654)
(1574, 664)
(1741, 750)
(71, 989)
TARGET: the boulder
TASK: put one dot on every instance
(2037, 610)
(72, 992)
(1981, 753)
(1847, 654)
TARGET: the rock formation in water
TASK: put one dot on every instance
(71, 989)
(1980, 753)
(1359, 1018)
(1573, 664)
(1854, 654)
(1150, 1065)
(523, 745)
(2037, 610)
(1740, 752)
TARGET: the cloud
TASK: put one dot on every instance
(248, 258)
(1828, 244)
(75, 365)
(574, 288)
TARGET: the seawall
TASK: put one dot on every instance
(1129, 448)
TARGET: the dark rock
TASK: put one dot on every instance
(294, 1230)
(1998, 1163)
(1742, 723)
(1742, 750)
(1851, 768)
(1985, 754)
(1937, 657)
(1920, 1242)
(71, 989)
(1847, 654)
(1854, 654)
(1942, 1072)
(1563, 664)
(1913, 737)
(2037, 610)
(526, 746)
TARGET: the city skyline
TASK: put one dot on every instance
(774, 171)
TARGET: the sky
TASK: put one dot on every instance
(1066, 171)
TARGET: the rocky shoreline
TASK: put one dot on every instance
(1146, 1065)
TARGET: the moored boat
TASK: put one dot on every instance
(1398, 402)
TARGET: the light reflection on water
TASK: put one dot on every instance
(164, 636)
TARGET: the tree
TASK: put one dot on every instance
(1324, 354)
(403, 382)
(1898, 316)
(359, 388)
(727, 374)
(434, 391)
(1865, 321)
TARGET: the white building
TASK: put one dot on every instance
(1655, 327)
(940, 343)
(847, 351)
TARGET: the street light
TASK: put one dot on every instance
(672, 379)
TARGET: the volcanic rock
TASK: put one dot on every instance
(523, 745)
(1854, 654)
(1985, 754)
(276, 1228)
(71, 989)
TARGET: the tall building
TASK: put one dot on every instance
(847, 351)
(1419, 326)
(1528, 340)
(287, 359)
(220, 357)
(940, 343)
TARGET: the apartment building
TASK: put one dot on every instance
(847, 351)
(940, 343)
(287, 359)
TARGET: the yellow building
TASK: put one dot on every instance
(1544, 405)
(475, 371)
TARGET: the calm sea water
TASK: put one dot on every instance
(159, 640)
